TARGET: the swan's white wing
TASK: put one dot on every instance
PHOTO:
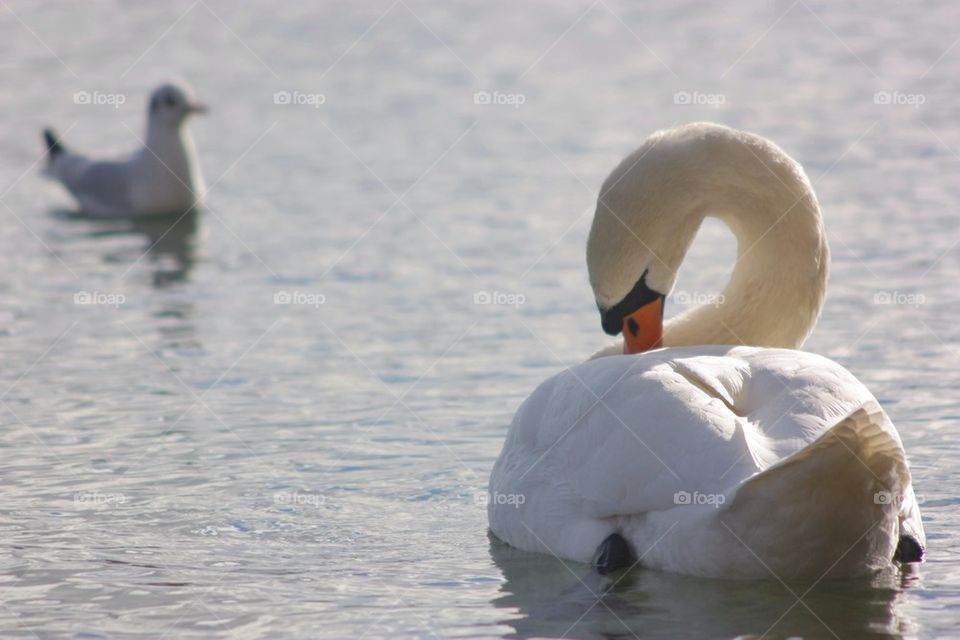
(651, 434)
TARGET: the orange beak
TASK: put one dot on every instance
(643, 329)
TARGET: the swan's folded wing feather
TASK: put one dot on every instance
(629, 439)
(867, 435)
(856, 475)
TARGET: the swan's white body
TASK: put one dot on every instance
(724, 461)
(630, 443)
(161, 177)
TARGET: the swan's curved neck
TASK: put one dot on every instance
(778, 284)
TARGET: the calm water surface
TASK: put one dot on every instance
(200, 461)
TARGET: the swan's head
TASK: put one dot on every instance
(649, 211)
(170, 104)
(630, 284)
(637, 242)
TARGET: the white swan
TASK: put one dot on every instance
(725, 461)
(161, 177)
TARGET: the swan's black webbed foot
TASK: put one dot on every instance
(908, 550)
(612, 555)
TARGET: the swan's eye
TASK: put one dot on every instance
(169, 101)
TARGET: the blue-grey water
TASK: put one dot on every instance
(186, 457)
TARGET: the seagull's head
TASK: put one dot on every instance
(171, 104)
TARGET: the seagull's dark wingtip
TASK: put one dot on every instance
(53, 143)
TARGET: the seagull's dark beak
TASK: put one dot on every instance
(198, 107)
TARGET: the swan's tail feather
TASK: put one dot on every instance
(613, 554)
(834, 507)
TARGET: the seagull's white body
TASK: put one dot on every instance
(721, 461)
(161, 177)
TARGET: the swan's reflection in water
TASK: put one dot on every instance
(554, 600)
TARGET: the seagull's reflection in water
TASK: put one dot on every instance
(170, 242)
(552, 598)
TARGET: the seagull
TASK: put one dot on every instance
(161, 177)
